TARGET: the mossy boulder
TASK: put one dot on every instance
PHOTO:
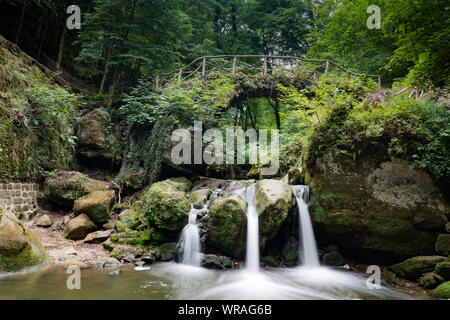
(212, 261)
(128, 219)
(64, 187)
(19, 247)
(381, 210)
(165, 207)
(78, 228)
(274, 202)
(443, 244)
(200, 197)
(96, 205)
(167, 251)
(181, 183)
(442, 291)
(443, 269)
(44, 221)
(430, 280)
(227, 226)
(413, 268)
(96, 142)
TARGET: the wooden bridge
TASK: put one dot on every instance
(250, 66)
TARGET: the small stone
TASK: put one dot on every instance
(44, 221)
(111, 263)
(70, 251)
(98, 237)
(114, 273)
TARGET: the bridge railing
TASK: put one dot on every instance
(246, 65)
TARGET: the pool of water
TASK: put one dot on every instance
(174, 281)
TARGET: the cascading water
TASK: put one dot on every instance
(308, 248)
(190, 240)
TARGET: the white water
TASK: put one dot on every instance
(190, 240)
(308, 247)
(252, 230)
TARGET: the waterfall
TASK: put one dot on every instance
(308, 248)
(190, 240)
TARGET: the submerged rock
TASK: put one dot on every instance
(166, 207)
(96, 205)
(274, 202)
(227, 226)
(212, 261)
(78, 228)
(19, 247)
(413, 268)
(65, 187)
(442, 291)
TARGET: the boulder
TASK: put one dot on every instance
(227, 226)
(443, 269)
(98, 236)
(413, 268)
(334, 259)
(274, 201)
(19, 247)
(212, 261)
(165, 207)
(96, 205)
(290, 252)
(78, 228)
(382, 211)
(180, 183)
(200, 197)
(128, 219)
(167, 251)
(443, 244)
(44, 221)
(442, 291)
(430, 280)
(97, 145)
(447, 227)
(65, 187)
(270, 261)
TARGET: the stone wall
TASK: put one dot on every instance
(19, 198)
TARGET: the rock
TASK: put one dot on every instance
(290, 252)
(295, 176)
(368, 206)
(227, 226)
(447, 227)
(114, 273)
(430, 280)
(274, 201)
(443, 269)
(70, 251)
(200, 197)
(108, 225)
(212, 261)
(331, 248)
(166, 207)
(167, 251)
(97, 145)
(442, 291)
(333, 258)
(78, 228)
(65, 187)
(443, 244)
(111, 263)
(391, 278)
(149, 258)
(413, 268)
(44, 221)
(96, 205)
(181, 183)
(128, 219)
(270, 261)
(19, 247)
(98, 237)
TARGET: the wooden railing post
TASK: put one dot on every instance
(204, 68)
(234, 65)
(379, 83)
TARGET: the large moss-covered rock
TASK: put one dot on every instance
(227, 226)
(274, 201)
(200, 197)
(442, 291)
(413, 268)
(379, 209)
(128, 219)
(19, 247)
(96, 141)
(96, 205)
(64, 187)
(443, 244)
(78, 228)
(443, 269)
(181, 183)
(165, 207)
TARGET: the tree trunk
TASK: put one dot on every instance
(19, 27)
(105, 75)
(61, 48)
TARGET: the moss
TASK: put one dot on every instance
(442, 291)
(97, 206)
